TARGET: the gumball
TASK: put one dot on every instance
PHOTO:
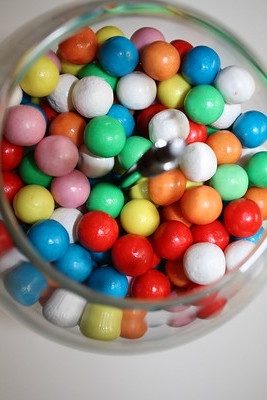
(11, 155)
(71, 190)
(94, 69)
(259, 195)
(256, 168)
(31, 174)
(11, 184)
(230, 181)
(175, 272)
(167, 125)
(160, 60)
(184, 317)
(136, 91)
(204, 263)
(132, 255)
(101, 257)
(146, 35)
(75, 263)
(228, 116)
(15, 97)
(182, 46)
(97, 231)
(49, 112)
(104, 136)
(198, 162)
(256, 237)
(49, 238)
(106, 197)
(33, 203)
(6, 242)
(93, 166)
(108, 281)
(123, 115)
(173, 212)
(251, 128)
(152, 285)
(235, 84)
(201, 205)
(53, 57)
(92, 96)
(24, 125)
(226, 147)
(60, 99)
(197, 133)
(69, 218)
(172, 239)
(237, 252)
(204, 104)
(118, 56)
(70, 68)
(70, 125)
(56, 155)
(213, 232)
(133, 150)
(144, 117)
(80, 48)
(107, 32)
(140, 190)
(41, 78)
(166, 188)
(242, 217)
(25, 283)
(139, 217)
(133, 325)
(200, 65)
(212, 308)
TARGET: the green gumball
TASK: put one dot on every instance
(107, 198)
(230, 181)
(134, 148)
(31, 174)
(256, 168)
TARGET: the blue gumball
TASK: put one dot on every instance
(108, 281)
(251, 128)
(118, 56)
(101, 258)
(76, 263)
(200, 65)
(256, 237)
(25, 284)
(49, 238)
(123, 115)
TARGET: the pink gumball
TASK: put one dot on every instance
(146, 35)
(56, 155)
(53, 57)
(25, 125)
(71, 190)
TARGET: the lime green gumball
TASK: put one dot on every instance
(106, 197)
(31, 174)
(134, 148)
(104, 136)
(94, 69)
(204, 104)
(230, 181)
(256, 168)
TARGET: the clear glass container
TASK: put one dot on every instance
(175, 320)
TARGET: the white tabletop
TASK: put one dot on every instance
(229, 363)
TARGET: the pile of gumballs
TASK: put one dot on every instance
(83, 116)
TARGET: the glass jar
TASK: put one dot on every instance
(177, 319)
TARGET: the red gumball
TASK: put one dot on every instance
(145, 116)
(197, 133)
(97, 231)
(242, 218)
(172, 239)
(11, 155)
(6, 242)
(214, 233)
(152, 285)
(212, 307)
(182, 46)
(12, 184)
(50, 113)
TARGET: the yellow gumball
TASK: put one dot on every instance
(69, 68)
(171, 92)
(107, 32)
(41, 78)
(190, 184)
(33, 203)
(140, 217)
(140, 190)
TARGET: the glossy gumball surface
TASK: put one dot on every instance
(69, 124)
(182, 46)
(12, 184)
(153, 285)
(166, 188)
(6, 241)
(214, 232)
(259, 195)
(197, 133)
(11, 155)
(226, 146)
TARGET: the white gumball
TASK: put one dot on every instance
(92, 96)
(235, 84)
(136, 91)
(93, 166)
(204, 263)
(61, 98)
(68, 217)
(15, 97)
(228, 117)
(157, 318)
(167, 125)
(237, 252)
(199, 162)
(64, 308)
(10, 259)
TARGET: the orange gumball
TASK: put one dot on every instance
(259, 195)
(166, 188)
(69, 124)
(133, 325)
(80, 48)
(201, 205)
(175, 272)
(160, 60)
(226, 146)
(173, 212)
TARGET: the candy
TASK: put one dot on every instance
(167, 125)
(11, 184)
(251, 128)
(228, 116)
(68, 217)
(6, 242)
(171, 92)
(146, 35)
(94, 69)
(226, 147)
(133, 149)
(182, 46)
(106, 197)
(133, 325)
(256, 168)
(175, 272)
(152, 285)
(60, 99)
(144, 117)
(93, 166)
(259, 195)
(70, 125)
(16, 97)
(11, 155)
(108, 281)
(237, 252)
(31, 174)
(213, 232)
(166, 188)
(123, 115)
(107, 32)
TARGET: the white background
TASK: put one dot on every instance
(229, 363)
